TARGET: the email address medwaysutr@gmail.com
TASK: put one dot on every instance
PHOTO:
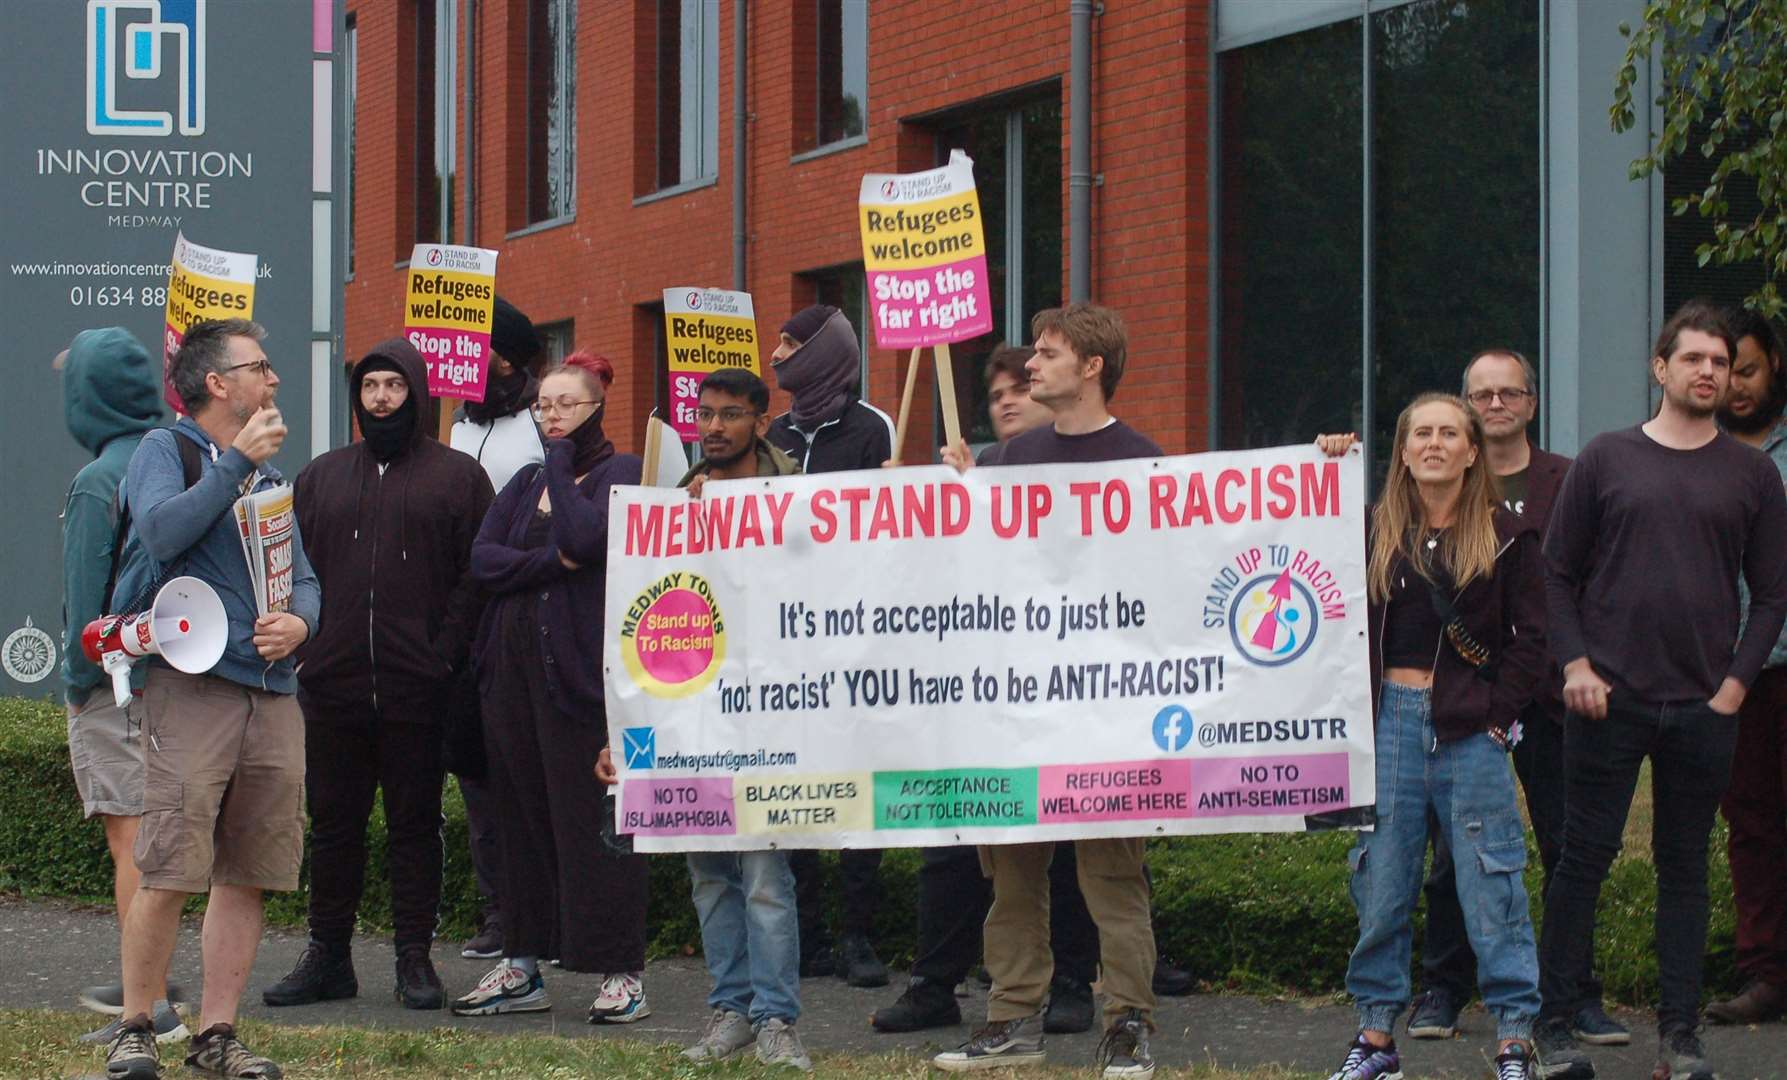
(729, 760)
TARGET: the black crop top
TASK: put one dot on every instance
(1412, 627)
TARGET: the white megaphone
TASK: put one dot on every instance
(185, 626)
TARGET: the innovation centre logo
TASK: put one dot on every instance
(172, 31)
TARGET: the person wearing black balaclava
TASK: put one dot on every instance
(498, 431)
(829, 428)
(568, 886)
(388, 522)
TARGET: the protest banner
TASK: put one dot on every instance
(203, 283)
(705, 330)
(447, 315)
(918, 657)
(925, 255)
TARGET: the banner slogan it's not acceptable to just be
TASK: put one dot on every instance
(914, 657)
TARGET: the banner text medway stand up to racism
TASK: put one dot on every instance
(911, 657)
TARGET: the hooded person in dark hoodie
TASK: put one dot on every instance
(830, 429)
(111, 396)
(388, 522)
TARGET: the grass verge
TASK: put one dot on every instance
(36, 1045)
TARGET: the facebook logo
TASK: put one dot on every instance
(1172, 728)
(135, 37)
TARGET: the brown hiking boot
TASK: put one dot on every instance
(1760, 1002)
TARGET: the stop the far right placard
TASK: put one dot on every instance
(925, 256)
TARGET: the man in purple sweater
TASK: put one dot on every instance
(1648, 538)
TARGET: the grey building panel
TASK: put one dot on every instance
(233, 170)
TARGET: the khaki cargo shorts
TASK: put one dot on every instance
(105, 746)
(223, 786)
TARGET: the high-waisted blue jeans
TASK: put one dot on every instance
(1467, 784)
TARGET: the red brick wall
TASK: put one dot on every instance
(1150, 240)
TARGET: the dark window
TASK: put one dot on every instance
(437, 61)
(1454, 225)
(688, 98)
(1291, 243)
(551, 109)
(842, 68)
(845, 288)
(1017, 172)
(1455, 196)
(560, 340)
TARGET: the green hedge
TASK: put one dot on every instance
(1255, 912)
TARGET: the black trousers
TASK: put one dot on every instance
(487, 851)
(1690, 748)
(566, 890)
(953, 898)
(349, 754)
(860, 871)
(1447, 962)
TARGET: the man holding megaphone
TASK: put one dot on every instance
(224, 765)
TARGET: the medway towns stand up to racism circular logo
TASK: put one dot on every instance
(672, 638)
(1273, 619)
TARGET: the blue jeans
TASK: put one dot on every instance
(1466, 784)
(749, 932)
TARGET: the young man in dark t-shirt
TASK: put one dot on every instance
(1079, 358)
(1650, 533)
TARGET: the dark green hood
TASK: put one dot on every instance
(110, 387)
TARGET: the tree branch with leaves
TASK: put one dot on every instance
(1724, 96)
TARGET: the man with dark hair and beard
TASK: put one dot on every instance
(1653, 529)
(1756, 801)
(830, 428)
(732, 416)
(389, 522)
(744, 899)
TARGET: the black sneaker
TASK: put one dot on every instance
(217, 1051)
(1515, 1063)
(1593, 1026)
(923, 1005)
(487, 944)
(132, 1055)
(1559, 1058)
(817, 962)
(1171, 980)
(999, 1044)
(1069, 1010)
(858, 965)
(1435, 1016)
(418, 987)
(320, 975)
(1124, 1050)
(1681, 1057)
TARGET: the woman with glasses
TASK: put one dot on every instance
(541, 556)
(1454, 582)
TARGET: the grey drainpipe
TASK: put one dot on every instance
(471, 122)
(1079, 157)
(740, 161)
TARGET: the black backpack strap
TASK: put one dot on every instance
(192, 466)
